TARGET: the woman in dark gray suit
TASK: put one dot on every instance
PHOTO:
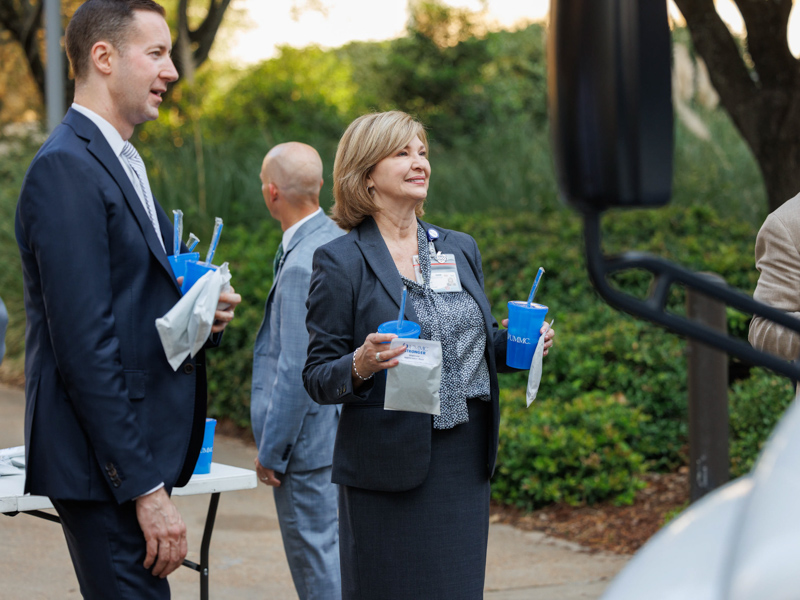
(414, 489)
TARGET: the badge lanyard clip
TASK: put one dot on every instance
(444, 272)
(432, 235)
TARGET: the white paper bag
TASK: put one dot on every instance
(535, 374)
(186, 327)
(413, 385)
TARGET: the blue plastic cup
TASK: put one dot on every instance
(408, 329)
(178, 262)
(203, 466)
(194, 271)
(524, 324)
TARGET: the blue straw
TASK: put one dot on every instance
(535, 285)
(402, 310)
(177, 232)
(192, 241)
(214, 240)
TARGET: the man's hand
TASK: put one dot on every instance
(223, 317)
(266, 476)
(164, 532)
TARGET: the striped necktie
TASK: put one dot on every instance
(137, 166)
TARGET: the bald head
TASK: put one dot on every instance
(296, 170)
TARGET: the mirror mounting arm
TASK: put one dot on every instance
(653, 308)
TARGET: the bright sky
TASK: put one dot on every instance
(342, 21)
(332, 23)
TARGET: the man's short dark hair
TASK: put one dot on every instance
(101, 20)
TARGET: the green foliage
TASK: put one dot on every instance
(468, 88)
(13, 164)
(578, 452)
(613, 353)
(720, 173)
(598, 348)
(756, 405)
(300, 93)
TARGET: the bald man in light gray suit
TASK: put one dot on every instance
(294, 434)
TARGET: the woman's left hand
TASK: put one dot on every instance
(548, 337)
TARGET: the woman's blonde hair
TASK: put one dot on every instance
(367, 141)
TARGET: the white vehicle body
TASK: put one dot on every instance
(740, 542)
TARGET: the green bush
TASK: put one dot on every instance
(756, 405)
(17, 154)
(599, 348)
(579, 451)
(615, 354)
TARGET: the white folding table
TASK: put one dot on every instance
(222, 478)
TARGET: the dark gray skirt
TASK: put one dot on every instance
(429, 542)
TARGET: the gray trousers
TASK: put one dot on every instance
(307, 505)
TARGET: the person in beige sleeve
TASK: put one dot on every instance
(778, 262)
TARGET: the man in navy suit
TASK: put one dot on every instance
(294, 434)
(110, 428)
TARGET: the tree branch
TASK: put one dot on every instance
(205, 33)
(767, 41)
(729, 75)
(192, 46)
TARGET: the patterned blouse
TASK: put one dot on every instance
(455, 320)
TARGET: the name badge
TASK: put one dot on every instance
(444, 273)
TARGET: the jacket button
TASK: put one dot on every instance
(188, 368)
(109, 466)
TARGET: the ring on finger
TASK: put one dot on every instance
(378, 357)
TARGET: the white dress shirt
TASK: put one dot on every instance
(116, 142)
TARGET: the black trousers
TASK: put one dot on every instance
(108, 550)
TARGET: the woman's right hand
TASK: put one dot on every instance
(374, 355)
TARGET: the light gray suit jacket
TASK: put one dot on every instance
(778, 261)
(292, 432)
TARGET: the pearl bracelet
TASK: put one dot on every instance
(356, 370)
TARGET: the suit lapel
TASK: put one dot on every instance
(377, 255)
(99, 148)
(305, 230)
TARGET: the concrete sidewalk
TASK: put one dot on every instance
(247, 559)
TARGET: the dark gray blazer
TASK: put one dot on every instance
(355, 286)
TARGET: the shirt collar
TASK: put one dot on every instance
(289, 233)
(109, 132)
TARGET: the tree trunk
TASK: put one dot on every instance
(758, 84)
(780, 166)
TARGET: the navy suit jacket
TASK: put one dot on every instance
(355, 286)
(106, 417)
(292, 432)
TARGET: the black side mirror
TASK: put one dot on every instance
(610, 102)
(611, 120)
